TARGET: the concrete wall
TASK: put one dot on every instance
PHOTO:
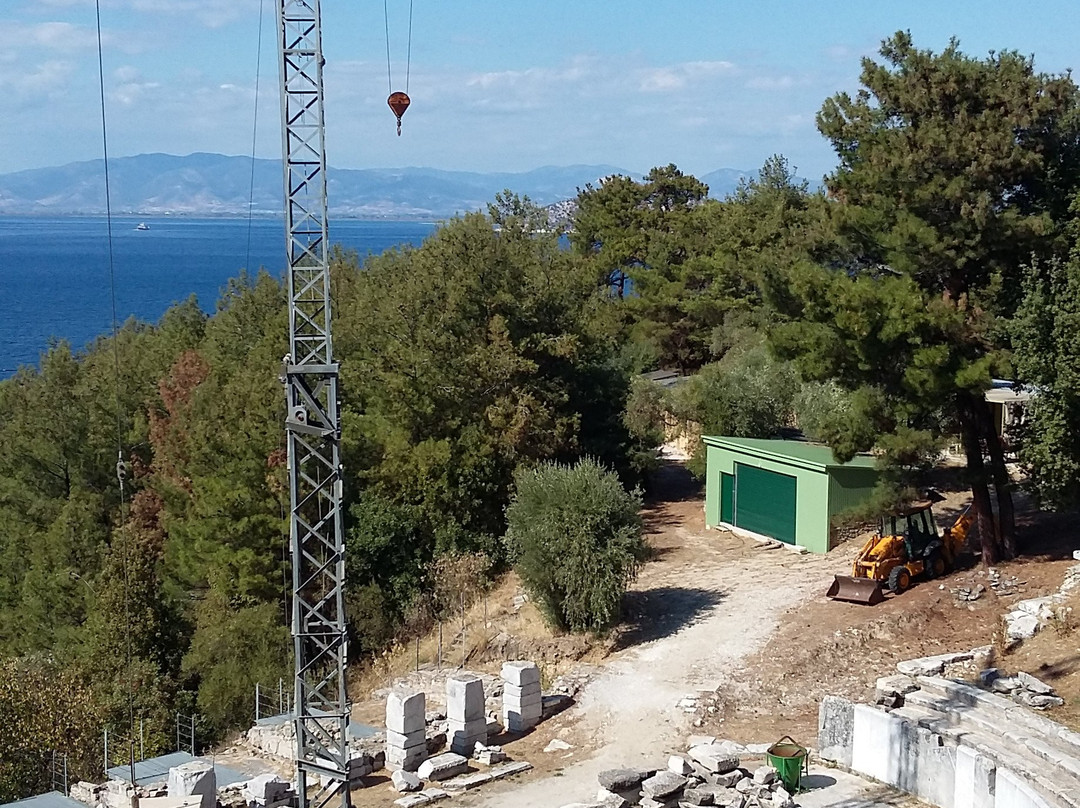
(898, 752)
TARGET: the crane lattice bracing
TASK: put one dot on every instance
(312, 426)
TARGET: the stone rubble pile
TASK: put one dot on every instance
(1029, 616)
(1023, 688)
(709, 774)
(968, 593)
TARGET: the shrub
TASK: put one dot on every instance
(575, 538)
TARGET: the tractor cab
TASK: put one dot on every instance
(914, 525)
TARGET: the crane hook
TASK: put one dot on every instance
(398, 103)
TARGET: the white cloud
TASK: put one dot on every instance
(62, 36)
(209, 13)
(45, 78)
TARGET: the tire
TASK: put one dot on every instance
(899, 579)
(934, 565)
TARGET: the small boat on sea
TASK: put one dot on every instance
(142, 226)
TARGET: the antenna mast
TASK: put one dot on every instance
(312, 426)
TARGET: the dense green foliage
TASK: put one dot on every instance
(575, 538)
(953, 172)
(1046, 335)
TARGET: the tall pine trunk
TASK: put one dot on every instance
(977, 477)
(1003, 484)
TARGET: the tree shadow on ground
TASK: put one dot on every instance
(658, 613)
(671, 482)
(1044, 534)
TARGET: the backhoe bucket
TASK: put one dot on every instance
(856, 590)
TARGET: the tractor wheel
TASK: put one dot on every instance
(899, 579)
(934, 565)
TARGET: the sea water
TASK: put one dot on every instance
(54, 272)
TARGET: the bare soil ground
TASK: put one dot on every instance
(746, 630)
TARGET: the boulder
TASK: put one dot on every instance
(1034, 685)
(678, 765)
(620, 779)
(765, 775)
(698, 796)
(714, 758)
(663, 785)
(405, 781)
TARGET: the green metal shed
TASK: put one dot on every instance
(784, 489)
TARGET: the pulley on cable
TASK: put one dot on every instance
(398, 101)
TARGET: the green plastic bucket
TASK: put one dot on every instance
(790, 760)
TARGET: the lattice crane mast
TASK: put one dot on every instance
(312, 422)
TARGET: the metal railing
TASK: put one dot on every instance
(270, 702)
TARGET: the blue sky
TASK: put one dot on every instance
(496, 86)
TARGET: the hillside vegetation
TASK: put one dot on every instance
(872, 315)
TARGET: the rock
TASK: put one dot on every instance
(1021, 625)
(698, 796)
(727, 779)
(489, 755)
(1005, 684)
(1034, 685)
(714, 758)
(443, 767)
(405, 782)
(265, 789)
(745, 785)
(678, 765)
(663, 784)
(557, 745)
(765, 775)
(757, 749)
(781, 798)
(620, 779)
(609, 799)
(1039, 701)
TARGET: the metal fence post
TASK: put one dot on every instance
(257, 701)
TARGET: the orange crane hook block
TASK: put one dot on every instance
(398, 102)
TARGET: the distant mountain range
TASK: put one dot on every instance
(218, 185)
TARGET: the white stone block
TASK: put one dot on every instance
(196, 777)
(408, 759)
(405, 711)
(264, 789)
(521, 672)
(974, 782)
(443, 767)
(1013, 792)
(190, 801)
(406, 740)
(876, 744)
(464, 697)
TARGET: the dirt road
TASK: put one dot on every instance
(707, 602)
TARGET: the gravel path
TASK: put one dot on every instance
(705, 604)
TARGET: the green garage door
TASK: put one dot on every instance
(765, 502)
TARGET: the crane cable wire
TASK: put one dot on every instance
(121, 469)
(408, 58)
(254, 133)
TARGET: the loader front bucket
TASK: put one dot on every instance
(856, 590)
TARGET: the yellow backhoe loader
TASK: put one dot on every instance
(907, 544)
